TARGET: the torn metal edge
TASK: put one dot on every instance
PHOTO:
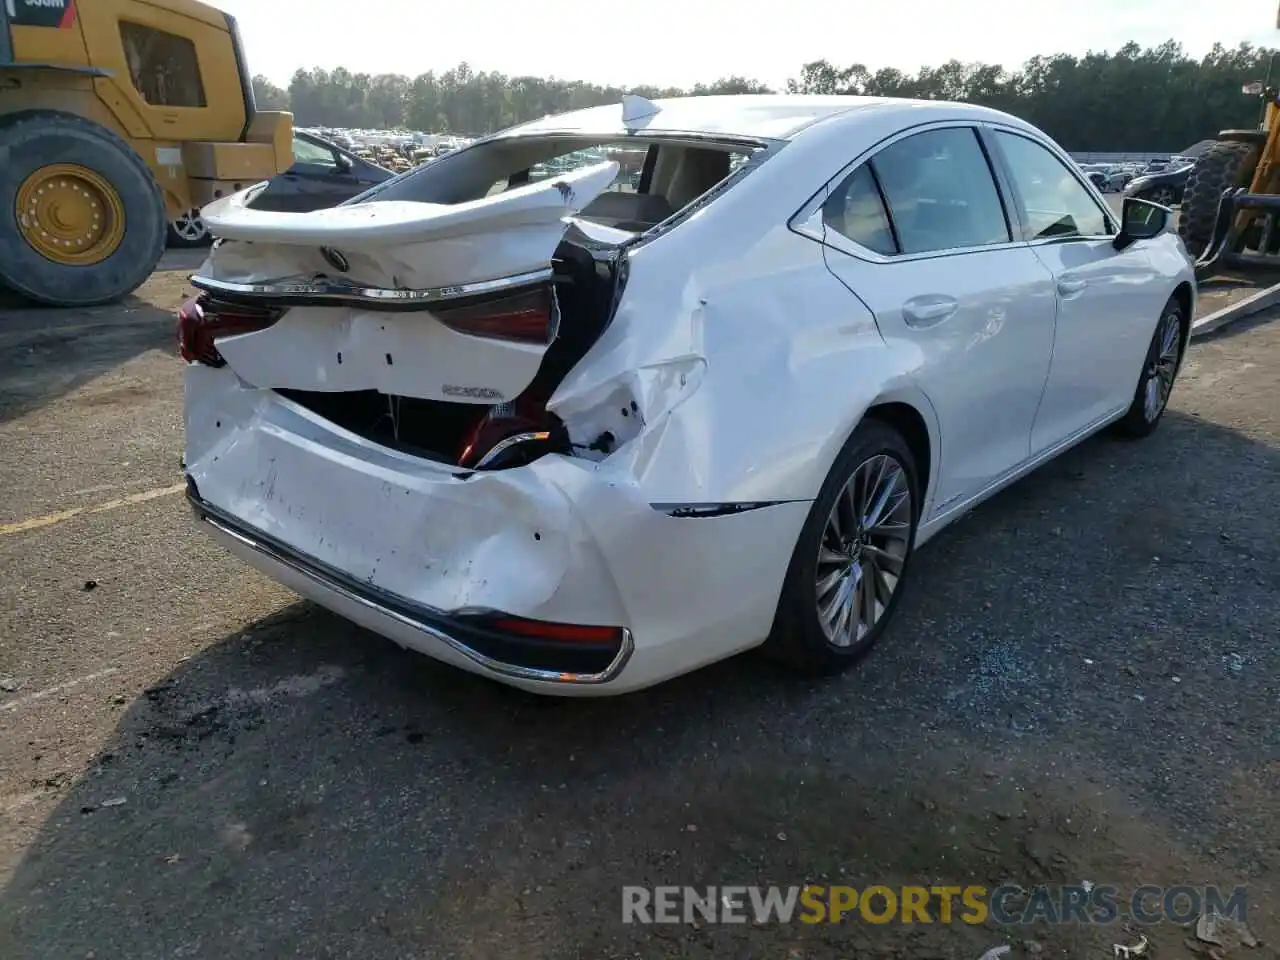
(702, 510)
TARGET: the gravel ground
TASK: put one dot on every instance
(1080, 686)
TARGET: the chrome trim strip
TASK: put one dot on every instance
(508, 443)
(322, 292)
(315, 571)
(696, 510)
(807, 221)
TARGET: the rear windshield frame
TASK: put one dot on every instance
(757, 151)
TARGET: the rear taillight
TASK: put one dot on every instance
(202, 320)
(555, 632)
(530, 316)
(512, 434)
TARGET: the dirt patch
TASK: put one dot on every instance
(550, 887)
(123, 394)
(1222, 291)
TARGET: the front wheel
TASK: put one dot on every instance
(1159, 371)
(850, 561)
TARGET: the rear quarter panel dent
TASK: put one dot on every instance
(792, 363)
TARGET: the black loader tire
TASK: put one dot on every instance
(1225, 165)
(36, 140)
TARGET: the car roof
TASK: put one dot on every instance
(753, 116)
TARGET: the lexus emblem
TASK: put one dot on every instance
(335, 259)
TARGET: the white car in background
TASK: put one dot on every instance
(582, 440)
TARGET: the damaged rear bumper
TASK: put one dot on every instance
(420, 551)
(503, 654)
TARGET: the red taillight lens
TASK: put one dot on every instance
(563, 632)
(201, 321)
(526, 317)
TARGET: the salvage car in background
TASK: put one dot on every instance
(1099, 175)
(582, 440)
(323, 175)
(1164, 186)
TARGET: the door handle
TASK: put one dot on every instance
(1069, 288)
(928, 310)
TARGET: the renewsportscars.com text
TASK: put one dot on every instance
(1009, 904)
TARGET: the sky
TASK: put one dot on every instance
(683, 42)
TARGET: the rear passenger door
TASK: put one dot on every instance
(919, 232)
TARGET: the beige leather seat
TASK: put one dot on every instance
(628, 211)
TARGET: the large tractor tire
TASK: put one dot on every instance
(82, 220)
(1224, 166)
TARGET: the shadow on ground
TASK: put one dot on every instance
(46, 353)
(1080, 687)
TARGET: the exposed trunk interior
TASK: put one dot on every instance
(439, 430)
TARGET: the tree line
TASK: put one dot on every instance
(1135, 99)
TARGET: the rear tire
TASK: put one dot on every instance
(875, 468)
(1224, 166)
(1159, 373)
(102, 178)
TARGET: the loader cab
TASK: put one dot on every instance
(172, 68)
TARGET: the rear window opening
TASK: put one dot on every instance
(656, 178)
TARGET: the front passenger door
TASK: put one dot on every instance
(1106, 311)
(919, 233)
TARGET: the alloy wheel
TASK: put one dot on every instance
(1162, 368)
(863, 551)
(190, 226)
(1163, 196)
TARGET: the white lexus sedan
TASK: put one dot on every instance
(581, 430)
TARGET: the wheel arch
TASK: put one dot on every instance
(906, 418)
(1185, 296)
(905, 407)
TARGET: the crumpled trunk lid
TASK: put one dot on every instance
(451, 302)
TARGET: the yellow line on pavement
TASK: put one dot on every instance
(35, 523)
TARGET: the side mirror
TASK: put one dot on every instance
(1140, 220)
(344, 164)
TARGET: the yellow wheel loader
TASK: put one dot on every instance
(1232, 197)
(119, 120)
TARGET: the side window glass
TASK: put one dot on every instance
(312, 154)
(941, 192)
(162, 66)
(1056, 203)
(855, 210)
